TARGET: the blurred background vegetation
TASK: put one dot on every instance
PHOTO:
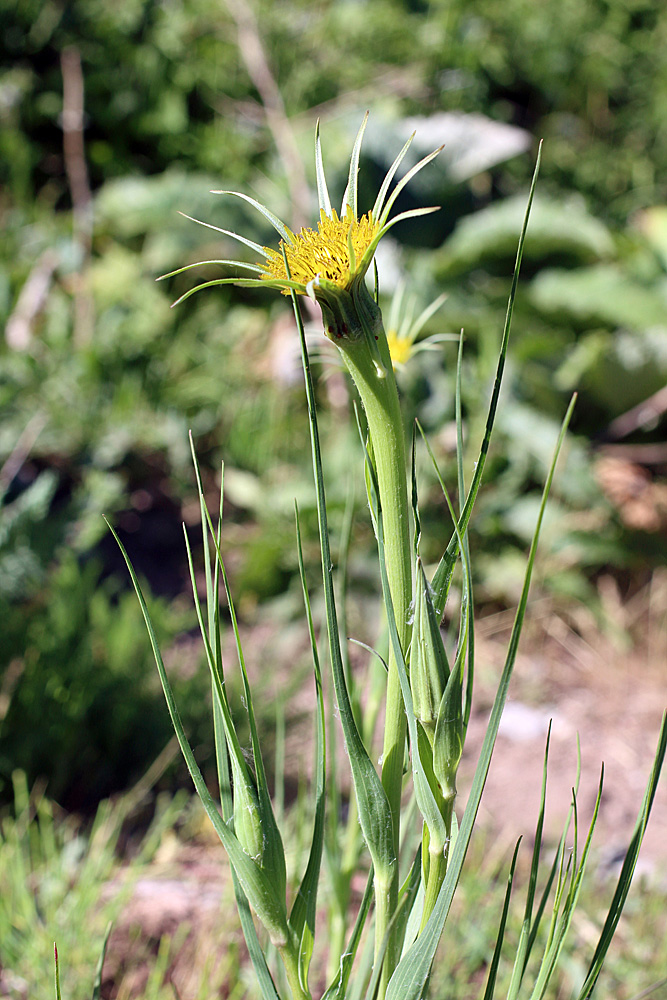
(114, 117)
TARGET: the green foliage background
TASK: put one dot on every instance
(98, 416)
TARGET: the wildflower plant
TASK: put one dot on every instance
(402, 828)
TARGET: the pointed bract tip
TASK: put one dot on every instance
(310, 288)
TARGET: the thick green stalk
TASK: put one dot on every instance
(290, 957)
(437, 866)
(379, 396)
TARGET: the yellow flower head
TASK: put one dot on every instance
(330, 253)
(404, 327)
(328, 263)
(400, 348)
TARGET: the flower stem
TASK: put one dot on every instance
(290, 957)
(379, 396)
(437, 865)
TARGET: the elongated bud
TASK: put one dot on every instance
(258, 835)
(247, 819)
(429, 668)
(448, 739)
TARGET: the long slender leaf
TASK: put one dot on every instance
(398, 922)
(97, 984)
(500, 937)
(57, 971)
(255, 883)
(522, 951)
(443, 574)
(564, 919)
(467, 703)
(273, 852)
(627, 870)
(411, 975)
(257, 957)
(556, 864)
(408, 895)
(304, 909)
(338, 988)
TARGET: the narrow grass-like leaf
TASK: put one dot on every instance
(304, 909)
(255, 883)
(374, 811)
(272, 852)
(500, 937)
(524, 945)
(322, 189)
(257, 957)
(562, 925)
(414, 497)
(350, 195)
(373, 652)
(443, 574)
(411, 975)
(363, 972)
(57, 971)
(338, 989)
(468, 597)
(627, 869)
(556, 866)
(97, 984)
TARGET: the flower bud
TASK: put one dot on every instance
(429, 669)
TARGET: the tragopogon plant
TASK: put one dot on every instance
(427, 694)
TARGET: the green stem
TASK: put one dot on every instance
(290, 957)
(379, 396)
(437, 867)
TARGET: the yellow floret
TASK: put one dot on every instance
(325, 252)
